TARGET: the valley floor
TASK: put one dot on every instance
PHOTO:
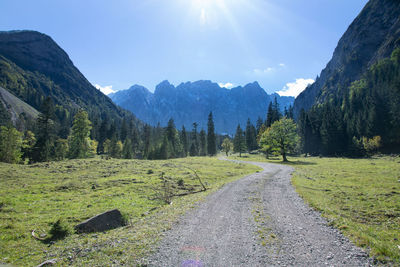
(254, 221)
(33, 197)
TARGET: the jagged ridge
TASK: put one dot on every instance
(192, 101)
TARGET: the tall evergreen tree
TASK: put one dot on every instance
(276, 114)
(146, 140)
(79, 140)
(124, 130)
(250, 136)
(259, 125)
(184, 141)
(44, 147)
(176, 149)
(135, 140)
(239, 142)
(103, 135)
(127, 150)
(194, 147)
(270, 115)
(203, 143)
(211, 139)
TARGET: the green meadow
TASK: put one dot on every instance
(34, 197)
(361, 197)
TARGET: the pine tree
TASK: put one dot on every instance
(44, 147)
(270, 115)
(146, 140)
(174, 140)
(203, 143)
(79, 141)
(127, 150)
(251, 137)
(259, 124)
(184, 141)
(290, 112)
(211, 139)
(276, 113)
(239, 142)
(164, 149)
(135, 139)
(124, 130)
(194, 147)
(103, 130)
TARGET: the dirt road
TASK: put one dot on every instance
(258, 220)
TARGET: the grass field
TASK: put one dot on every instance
(32, 197)
(361, 197)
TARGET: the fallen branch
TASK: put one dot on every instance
(48, 262)
(188, 193)
(36, 237)
(198, 178)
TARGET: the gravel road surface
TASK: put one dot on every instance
(229, 229)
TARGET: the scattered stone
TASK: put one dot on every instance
(102, 222)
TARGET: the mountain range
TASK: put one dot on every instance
(372, 36)
(192, 102)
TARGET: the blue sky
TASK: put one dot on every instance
(282, 44)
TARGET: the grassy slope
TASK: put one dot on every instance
(361, 197)
(33, 196)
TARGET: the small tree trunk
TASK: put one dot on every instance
(284, 157)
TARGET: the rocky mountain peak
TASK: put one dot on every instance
(372, 36)
(192, 101)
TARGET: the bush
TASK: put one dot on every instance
(181, 182)
(59, 230)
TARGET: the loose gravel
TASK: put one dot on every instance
(223, 231)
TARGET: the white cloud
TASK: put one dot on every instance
(295, 88)
(226, 85)
(282, 65)
(105, 89)
(264, 71)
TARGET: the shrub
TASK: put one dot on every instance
(59, 230)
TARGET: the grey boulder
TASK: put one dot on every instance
(105, 221)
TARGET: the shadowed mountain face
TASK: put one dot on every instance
(372, 36)
(192, 102)
(33, 66)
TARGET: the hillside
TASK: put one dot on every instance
(33, 66)
(353, 107)
(372, 36)
(192, 101)
(18, 110)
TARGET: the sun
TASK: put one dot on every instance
(207, 10)
(204, 3)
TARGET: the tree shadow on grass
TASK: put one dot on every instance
(298, 162)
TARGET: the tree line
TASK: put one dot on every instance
(360, 119)
(50, 138)
(276, 135)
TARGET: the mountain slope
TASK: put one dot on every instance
(192, 101)
(33, 66)
(17, 109)
(372, 36)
